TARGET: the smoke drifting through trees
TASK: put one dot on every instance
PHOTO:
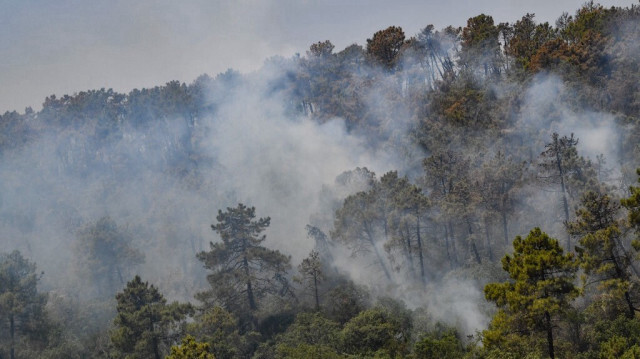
(315, 140)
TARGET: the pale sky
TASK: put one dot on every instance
(66, 46)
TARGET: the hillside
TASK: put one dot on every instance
(462, 192)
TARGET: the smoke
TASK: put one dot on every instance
(549, 106)
(257, 149)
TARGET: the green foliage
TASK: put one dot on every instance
(632, 204)
(244, 272)
(23, 319)
(346, 300)
(602, 256)
(310, 334)
(374, 332)
(385, 46)
(480, 46)
(219, 329)
(190, 349)
(541, 287)
(146, 326)
(312, 275)
(612, 337)
(527, 38)
(444, 344)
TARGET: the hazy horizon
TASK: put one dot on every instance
(70, 46)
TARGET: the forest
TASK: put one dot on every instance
(466, 192)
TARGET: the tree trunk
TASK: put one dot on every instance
(156, 351)
(488, 237)
(621, 275)
(565, 202)
(504, 227)
(446, 242)
(547, 317)
(250, 297)
(12, 330)
(474, 249)
(379, 256)
(315, 289)
(408, 249)
(420, 255)
(453, 243)
(632, 311)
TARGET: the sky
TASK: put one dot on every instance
(66, 46)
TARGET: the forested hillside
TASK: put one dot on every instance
(457, 193)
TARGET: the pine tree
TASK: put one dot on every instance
(190, 349)
(540, 289)
(105, 255)
(146, 326)
(312, 275)
(22, 308)
(244, 271)
(602, 256)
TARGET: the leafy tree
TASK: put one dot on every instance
(321, 49)
(312, 275)
(405, 207)
(444, 343)
(602, 256)
(345, 301)
(500, 178)
(22, 308)
(221, 331)
(146, 326)
(374, 332)
(311, 334)
(446, 178)
(385, 46)
(560, 165)
(433, 49)
(360, 225)
(541, 288)
(190, 349)
(632, 204)
(613, 337)
(480, 45)
(527, 38)
(106, 254)
(244, 271)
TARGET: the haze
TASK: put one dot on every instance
(62, 47)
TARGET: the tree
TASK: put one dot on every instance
(444, 343)
(385, 46)
(632, 204)
(359, 225)
(480, 45)
(541, 288)
(22, 308)
(321, 49)
(602, 255)
(527, 38)
(446, 178)
(106, 253)
(220, 330)
(312, 275)
(310, 336)
(406, 208)
(146, 326)
(500, 177)
(190, 349)
(244, 271)
(374, 332)
(561, 165)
